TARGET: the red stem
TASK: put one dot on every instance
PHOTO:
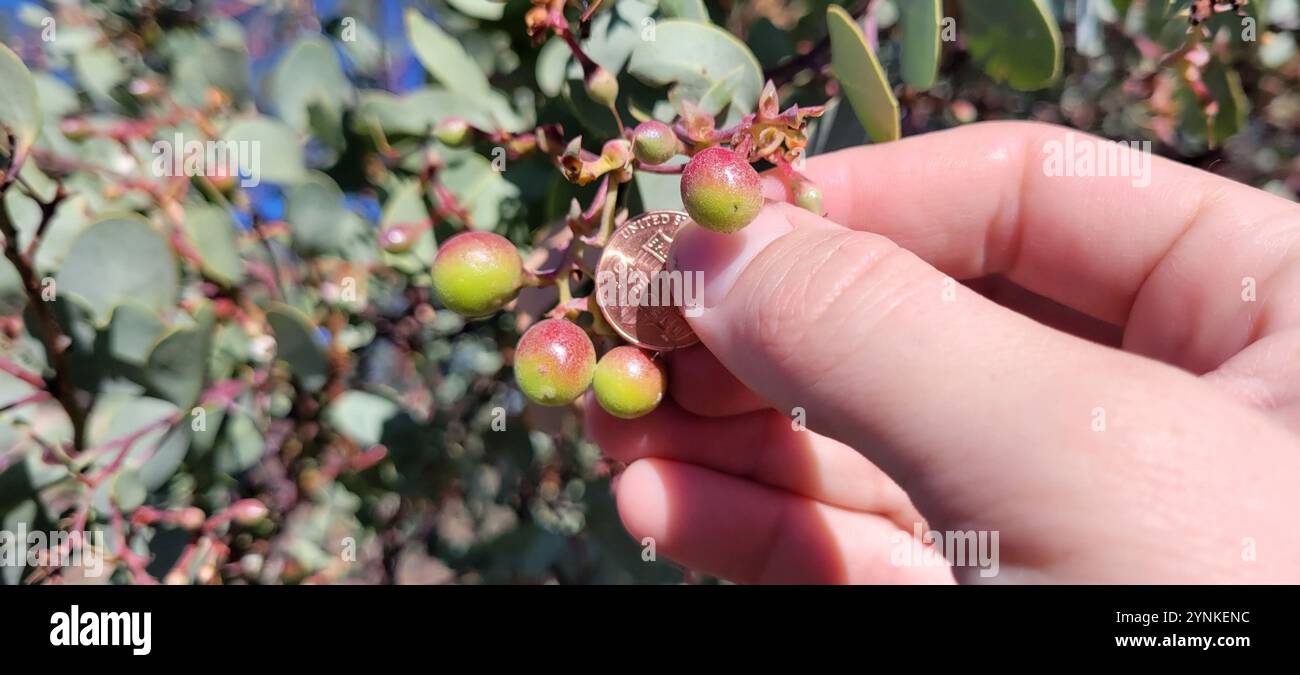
(22, 373)
(661, 168)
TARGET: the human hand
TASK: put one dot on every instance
(1173, 459)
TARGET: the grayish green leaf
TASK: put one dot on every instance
(119, 259)
(132, 332)
(684, 9)
(490, 10)
(922, 20)
(298, 346)
(241, 445)
(280, 153)
(309, 75)
(862, 78)
(212, 233)
(696, 56)
(444, 57)
(20, 110)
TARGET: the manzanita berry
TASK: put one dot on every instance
(628, 383)
(554, 362)
(808, 196)
(720, 190)
(477, 273)
(654, 142)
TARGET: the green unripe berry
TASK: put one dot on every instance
(808, 196)
(628, 383)
(654, 142)
(554, 362)
(453, 131)
(602, 87)
(477, 273)
(720, 190)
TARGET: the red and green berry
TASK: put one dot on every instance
(554, 362)
(477, 273)
(720, 190)
(628, 383)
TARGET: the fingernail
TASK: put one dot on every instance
(720, 258)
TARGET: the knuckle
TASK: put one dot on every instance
(815, 282)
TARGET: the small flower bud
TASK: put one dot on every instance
(191, 518)
(248, 511)
(453, 131)
(602, 87)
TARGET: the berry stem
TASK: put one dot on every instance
(662, 168)
(607, 218)
(622, 131)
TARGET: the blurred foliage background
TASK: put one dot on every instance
(253, 385)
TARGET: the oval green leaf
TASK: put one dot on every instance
(1016, 41)
(117, 260)
(128, 490)
(922, 21)
(279, 151)
(860, 75)
(696, 56)
(132, 332)
(309, 75)
(241, 445)
(213, 235)
(296, 345)
(178, 365)
(20, 110)
(490, 10)
(156, 454)
(684, 9)
(444, 57)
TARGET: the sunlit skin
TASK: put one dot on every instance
(654, 142)
(628, 383)
(1098, 393)
(477, 273)
(554, 362)
(720, 190)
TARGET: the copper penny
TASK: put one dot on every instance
(640, 299)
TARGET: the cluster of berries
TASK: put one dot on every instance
(476, 274)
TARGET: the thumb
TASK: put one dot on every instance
(940, 387)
